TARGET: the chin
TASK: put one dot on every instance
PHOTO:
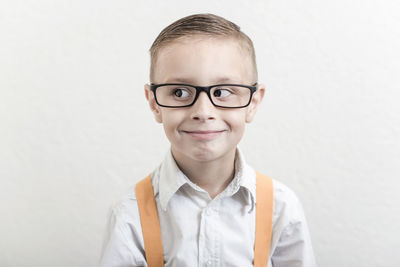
(207, 154)
(204, 157)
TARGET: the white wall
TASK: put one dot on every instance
(76, 131)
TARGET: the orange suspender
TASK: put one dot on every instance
(151, 225)
(264, 213)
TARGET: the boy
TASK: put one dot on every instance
(204, 195)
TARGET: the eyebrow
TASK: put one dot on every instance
(219, 80)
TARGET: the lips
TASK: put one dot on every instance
(205, 135)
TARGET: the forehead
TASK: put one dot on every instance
(203, 60)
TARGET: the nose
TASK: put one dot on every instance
(203, 109)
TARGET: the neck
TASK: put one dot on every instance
(213, 176)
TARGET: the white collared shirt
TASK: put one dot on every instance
(199, 231)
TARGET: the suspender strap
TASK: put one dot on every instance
(150, 223)
(264, 214)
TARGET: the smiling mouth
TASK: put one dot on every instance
(204, 135)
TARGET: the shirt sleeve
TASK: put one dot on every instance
(123, 244)
(291, 242)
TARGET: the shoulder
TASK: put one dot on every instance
(124, 220)
(290, 236)
(287, 206)
(126, 208)
(289, 225)
(124, 244)
(283, 195)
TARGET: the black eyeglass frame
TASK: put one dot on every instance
(199, 89)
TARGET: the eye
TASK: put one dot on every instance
(222, 92)
(181, 92)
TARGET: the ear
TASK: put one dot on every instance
(255, 102)
(152, 103)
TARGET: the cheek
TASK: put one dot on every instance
(240, 131)
(171, 123)
(237, 122)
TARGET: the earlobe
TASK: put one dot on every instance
(255, 102)
(152, 103)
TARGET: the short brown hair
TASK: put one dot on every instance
(201, 25)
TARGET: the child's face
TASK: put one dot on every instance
(203, 132)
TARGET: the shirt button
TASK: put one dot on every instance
(209, 263)
(208, 212)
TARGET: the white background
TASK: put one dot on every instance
(76, 132)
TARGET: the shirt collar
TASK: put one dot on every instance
(244, 180)
(171, 179)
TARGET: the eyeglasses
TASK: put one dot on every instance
(179, 95)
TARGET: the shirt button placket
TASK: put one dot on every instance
(207, 212)
(202, 238)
